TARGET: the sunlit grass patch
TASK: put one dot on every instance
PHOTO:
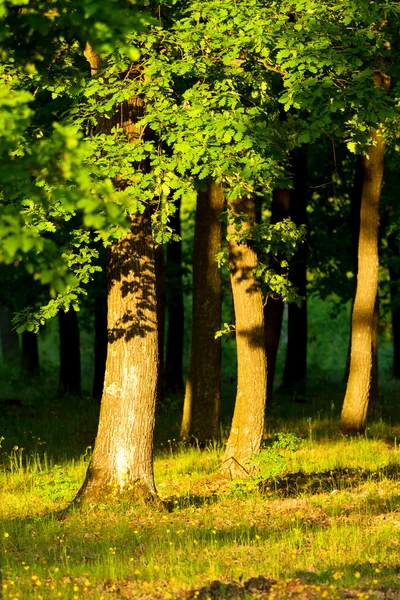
(339, 532)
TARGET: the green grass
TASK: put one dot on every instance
(329, 524)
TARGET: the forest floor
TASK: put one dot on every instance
(323, 522)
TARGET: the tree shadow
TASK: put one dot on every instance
(297, 484)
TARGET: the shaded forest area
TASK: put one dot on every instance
(199, 300)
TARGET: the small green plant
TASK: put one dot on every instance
(269, 463)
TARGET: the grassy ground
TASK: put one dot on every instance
(326, 525)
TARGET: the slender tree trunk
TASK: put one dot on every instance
(9, 338)
(201, 414)
(354, 412)
(295, 371)
(30, 353)
(174, 353)
(100, 345)
(70, 354)
(374, 396)
(273, 310)
(355, 208)
(161, 307)
(395, 310)
(122, 461)
(248, 420)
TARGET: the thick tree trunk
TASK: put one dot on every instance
(122, 461)
(9, 338)
(273, 310)
(161, 306)
(248, 420)
(30, 353)
(70, 354)
(201, 414)
(176, 317)
(123, 452)
(295, 371)
(100, 345)
(355, 405)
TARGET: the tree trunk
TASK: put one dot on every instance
(354, 412)
(295, 371)
(100, 345)
(9, 338)
(395, 310)
(30, 353)
(122, 461)
(248, 420)
(176, 317)
(374, 396)
(123, 452)
(273, 309)
(355, 208)
(201, 414)
(161, 303)
(70, 354)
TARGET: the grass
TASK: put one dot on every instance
(327, 526)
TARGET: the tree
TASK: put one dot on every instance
(354, 412)
(248, 420)
(201, 412)
(174, 352)
(70, 353)
(30, 353)
(295, 372)
(273, 309)
(9, 337)
(122, 460)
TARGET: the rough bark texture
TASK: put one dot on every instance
(354, 412)
(295, 371)
(70, 354)
(201, 414)
(100, 345)
(123, 452)
(273, 310)
(9, 338)
(248, 419)
(174, 351)
(161, 307)
(30, 353)
(122, 461)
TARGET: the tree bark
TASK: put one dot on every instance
(9, 338)
(176, 318)
(295, 371)
(122, 461)
(30, 353)
(100, 344)
(248, 420)
(273, 309)
(374, 395)
(70, 354)
(354, 412)
(395, 310)
(201, 413)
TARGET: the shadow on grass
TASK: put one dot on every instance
(181, 502)
(305, 585)
(298, 484)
